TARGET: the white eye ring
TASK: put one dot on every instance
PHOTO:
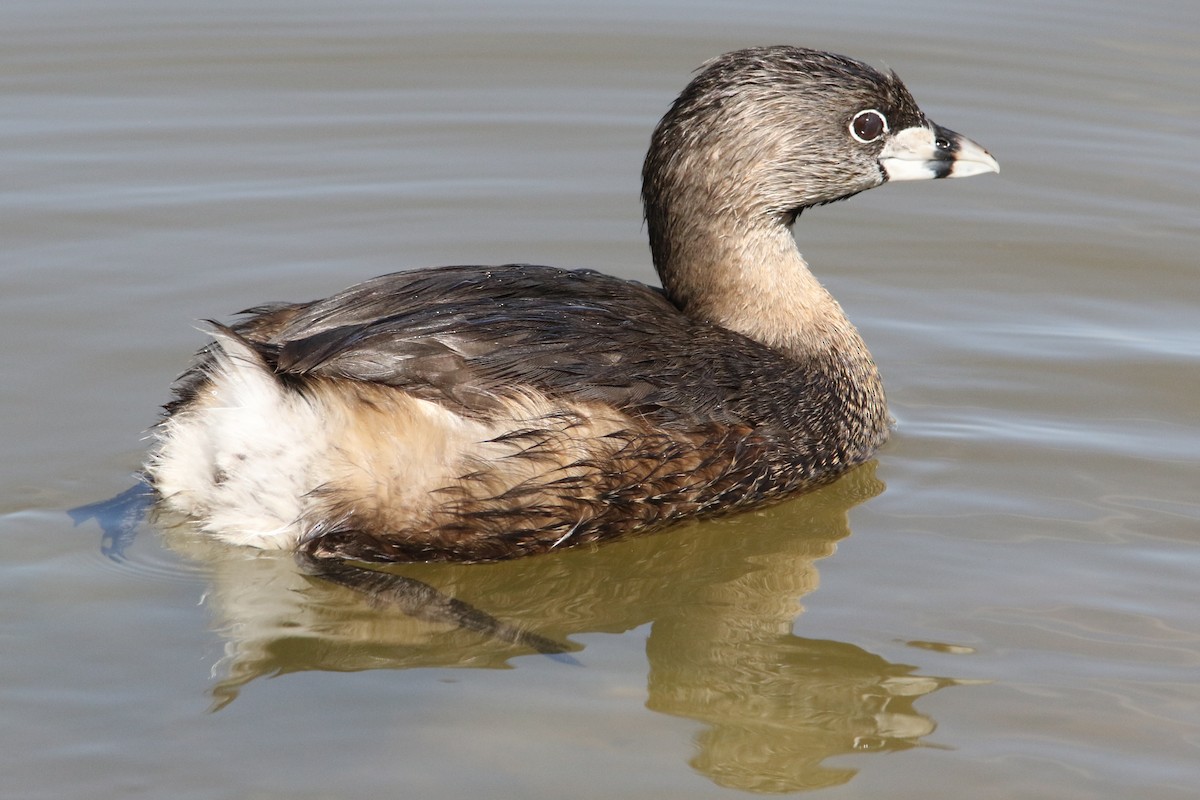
(867, 126)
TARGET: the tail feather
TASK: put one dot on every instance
(240, 450)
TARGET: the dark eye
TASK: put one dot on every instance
(867, 126)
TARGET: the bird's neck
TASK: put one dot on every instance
(758, 284)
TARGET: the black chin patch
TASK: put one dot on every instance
(942, 167)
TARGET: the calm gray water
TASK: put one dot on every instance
(1002, 606)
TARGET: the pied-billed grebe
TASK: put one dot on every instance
(478, 413)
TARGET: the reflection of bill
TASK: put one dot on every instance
(775, 705)
(782, 705)
(721, 597)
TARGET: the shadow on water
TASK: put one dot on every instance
(721, 597)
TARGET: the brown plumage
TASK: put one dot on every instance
(480, 413)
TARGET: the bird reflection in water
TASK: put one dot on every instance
(722, 598)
